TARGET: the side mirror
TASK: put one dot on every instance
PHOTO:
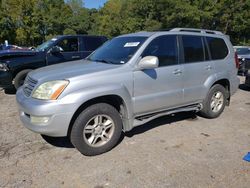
(55, 50)
(148, 62)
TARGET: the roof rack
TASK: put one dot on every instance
(205, 31)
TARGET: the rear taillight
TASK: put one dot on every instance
(237, 63)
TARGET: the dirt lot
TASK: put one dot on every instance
(173, 151)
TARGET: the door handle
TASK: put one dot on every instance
(177, 71)
(208, 67)
(75, 57)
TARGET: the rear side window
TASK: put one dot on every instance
(217, 47)
(92, 43)
(193, 48)
(165, 48)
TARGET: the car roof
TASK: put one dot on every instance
(138, 34)
(192, 31)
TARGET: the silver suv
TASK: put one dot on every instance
(127, 82)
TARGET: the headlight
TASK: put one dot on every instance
(50, 90)
(3, 67)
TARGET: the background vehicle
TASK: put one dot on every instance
(10, 47)
(244, 58)
(15, 65)
(127, 82)
(247, 80)
(247, 74)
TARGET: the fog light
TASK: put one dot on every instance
(39, 120)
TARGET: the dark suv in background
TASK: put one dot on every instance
(15, 65)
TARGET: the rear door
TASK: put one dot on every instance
(69, 51)
(197, 67)
(159, 88)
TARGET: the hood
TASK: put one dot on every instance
(70, 70)
(17, 53)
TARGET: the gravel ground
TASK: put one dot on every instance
(172, 151)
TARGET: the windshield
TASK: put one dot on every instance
(44, 46)
(118, 50)
(243, 51)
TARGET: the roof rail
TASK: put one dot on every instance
(164, 29)
(205, 31)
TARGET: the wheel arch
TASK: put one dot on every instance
(112, 99)
(226, 84)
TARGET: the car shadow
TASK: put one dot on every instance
(164, 120)
(244, 87)
(64, 142)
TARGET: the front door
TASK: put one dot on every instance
(159, 88)
(69, 51)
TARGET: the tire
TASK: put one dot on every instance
(20, 77)
(88, 130)
(213, 105)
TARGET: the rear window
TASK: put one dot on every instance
(217, 47)
(243, 51)
(193, 48)
(92, 43)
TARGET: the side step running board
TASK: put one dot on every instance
(148, 117)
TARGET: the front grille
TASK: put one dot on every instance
(29, 85)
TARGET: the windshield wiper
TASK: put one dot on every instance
(103, 61)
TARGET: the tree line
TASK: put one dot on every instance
(31, 22)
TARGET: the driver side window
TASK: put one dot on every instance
(68, 45)
(165, 48)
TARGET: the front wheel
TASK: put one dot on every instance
(96, 130)
(215, 102)
(20, 77)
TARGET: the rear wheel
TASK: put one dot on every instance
(97, 129)
(20, 77)
(215, 102)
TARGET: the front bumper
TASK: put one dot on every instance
(59, 114)
(5, 79)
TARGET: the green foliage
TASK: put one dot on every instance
(7, 26)
(30, 22)
(69, 31)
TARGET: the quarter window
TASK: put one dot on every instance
(193, 49)
(68, 45)
(165, 48)
(218, 48)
